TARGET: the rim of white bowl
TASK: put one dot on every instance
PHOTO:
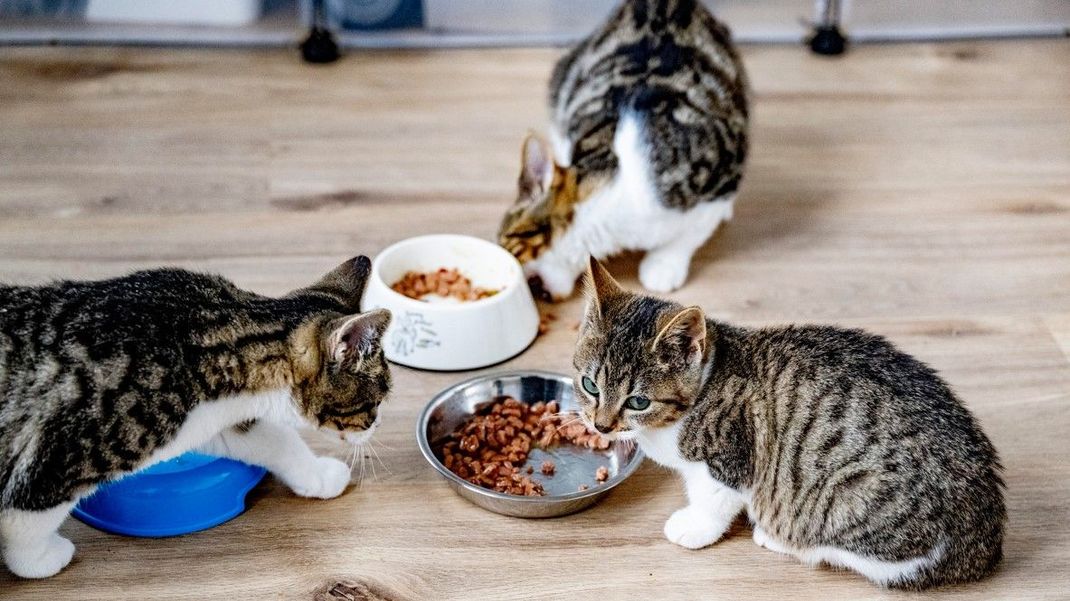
(514, 265)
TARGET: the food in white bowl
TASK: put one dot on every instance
(440, 332)
(443, 285)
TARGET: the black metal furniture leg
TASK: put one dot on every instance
(827, 39)
(320, 46)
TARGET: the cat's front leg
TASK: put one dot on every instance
(710, 511)
(665, 267)
(31, 546)
(282, 451)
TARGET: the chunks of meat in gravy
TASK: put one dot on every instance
(491, 448)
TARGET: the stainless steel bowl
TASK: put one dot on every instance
(574, 466)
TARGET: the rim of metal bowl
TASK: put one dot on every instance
(425, 445)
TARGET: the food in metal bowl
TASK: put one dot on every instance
(490, 448)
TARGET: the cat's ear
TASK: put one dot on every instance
(601, 288)
(536, 166)
(356, 336)
(683, 336)
(347, 281)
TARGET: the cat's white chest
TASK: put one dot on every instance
(663, 446)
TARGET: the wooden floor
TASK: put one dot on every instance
(921, 191)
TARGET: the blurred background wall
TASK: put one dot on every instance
(494, 22)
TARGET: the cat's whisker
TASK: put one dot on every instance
(371, 446)
(349, 459)
(356, 452)
(371, 462)
(568, 423)
(366, 464)
(562, 414)
(384, 446)
(360, 460)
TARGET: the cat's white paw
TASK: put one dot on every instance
(762, 539)
(692, 528)
(326, 479)
(662, 271)
(40, 561)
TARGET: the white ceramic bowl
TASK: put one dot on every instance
(453, 335)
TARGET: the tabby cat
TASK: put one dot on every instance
(100, 379)
(649, 136)
(841, 449)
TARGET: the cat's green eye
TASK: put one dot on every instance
(589, 386)
(637, 403)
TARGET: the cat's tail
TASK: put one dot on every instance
(974, 545)
(632, 149)
(979, 548)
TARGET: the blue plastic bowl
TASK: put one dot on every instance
(189, 493)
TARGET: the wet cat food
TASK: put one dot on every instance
(447, 283)
(491, 448)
